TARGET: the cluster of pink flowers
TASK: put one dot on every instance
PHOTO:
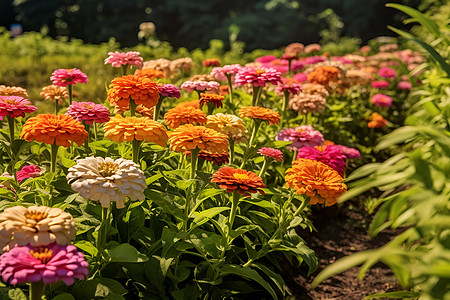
(312, 60)
(382, 84)
(65, 77)
(27, 172)
(89, 112)
(288, 85)
(49, 264)
(349, 152)
(15, 106)
(387, 73)
(169, 90)
(331, 155)
(381, 100)
(257, 77)
(190, 86)
(221, 73)
(301, 136)
(131, 58)
(271, 153)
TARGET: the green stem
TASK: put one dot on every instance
(86, 143)
(231, 151)
(285, 107)
(264, 167)
(256, 125)
(294, 157)
(37, 290)
(133, 106)
(302, 206)
(211, 107)
(290, 66)
(124, 69)
(11, 129)
(53, 153)
(70, 92)
(255, 95)
(95, 130)
(192, 175)
(234, 207)
(136, 146)
(158, 108)
(56, 107)
(230, 86)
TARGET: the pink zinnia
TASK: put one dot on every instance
(15, 106)
(190, 86)
(257, 77)
(65, 77)
(89, 112)
(349, 152)
(288, 85)
(272, 153)
(169, 90)
(330, 155)
(27, 172)
(404, 85)
(266, 59)
(387, 73)
(300, 77)
(312, 60)
(381, 100)
(49, 264)
(131, 58)
(221, 73)
(301, 136)
(380, 84)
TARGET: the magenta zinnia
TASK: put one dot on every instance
(118, 59)
(89, 112)
(65, 77)
(331, 155)
(27, 172)
(301, 136)
(271, 153)
(14, 106)
(50, 264)
(190, 86)
(169, 90)
(257, 77)
(381, 100)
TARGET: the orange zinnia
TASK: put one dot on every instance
(243, 181)
(188, 137)
(139, 88)
(184, 115)
(13, 91)
(149, 73)
(316, 180)
(377, 121)
(120, 129)
(193, 103)
(323, 75)
(262, 113)
(211, 98)
(54, 129)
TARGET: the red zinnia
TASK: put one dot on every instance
(244, 182)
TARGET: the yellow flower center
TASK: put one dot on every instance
(36, 216)
(10, 101)
(107, 169)
(260, 71)
(239, 176)
(43, 254)
(320, 148)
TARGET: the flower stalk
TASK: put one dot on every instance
(136, 147)
(11, 129)
(256, 95)
(158, 108)
(53, 154)
(133, 106)
(192, 175)
(37, 290)
(230, 86)
(70, 92)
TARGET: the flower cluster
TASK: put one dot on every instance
(130, 58)
(377, 121)
(15, 106)
(292, 86)
(65, 77)
(89, 112)
(214, 99)
(141, 89)
(13, 91)
(242, 181)
(323, 75)
(381, 100)
(188, 137)
(261, 113)
(169, 90)
(230, 125)
(190, 86)
(184, 115)
(301, 136)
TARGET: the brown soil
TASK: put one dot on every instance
(340, 232)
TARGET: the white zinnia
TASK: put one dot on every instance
(106, 180)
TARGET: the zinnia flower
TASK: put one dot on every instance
(271, 153)
(54, 129)
(294, 48)
(169, 90)
(27, 172)
(221, 73)
(292, 86)
(193, 103)
(120, 129)
(331, 155)
(185, 64)
(242, 181)
(305, 103)
(14, 106)
(387, 73)
(149, 73)
(262, 113)
(349, 152)
(404, 85)
(50, 264)
(230, 125)
(64, 77)
(312, 48)
(300, 77)
(217, 158)
(380, 84)
(89, 112)
(188, 137)
(141, 89)
(377, 121)
(35, 225)
(130, 58)
(316, 180)
(184, 115)
(257, 77)
(54, 92)
(106, 180)
(211, 62)
(190, 86)
(215, 99)
(381, 100)
(302, 136)
(323, 75)
(13, 91)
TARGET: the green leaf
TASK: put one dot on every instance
(87, 247)
(16, 294)
(64, 296)
(248, 273)
(98, 287)
(209, 213)
(275, 277)
(125, 253)
(398, 295)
